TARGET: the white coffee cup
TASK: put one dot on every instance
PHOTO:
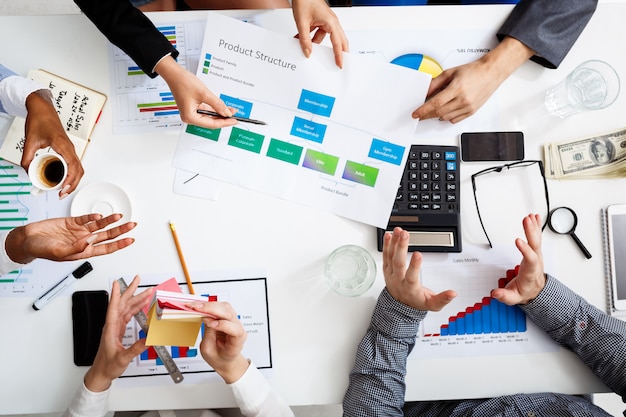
(47, 171)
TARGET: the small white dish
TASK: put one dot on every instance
(102, 198)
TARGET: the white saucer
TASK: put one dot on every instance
(103, 198)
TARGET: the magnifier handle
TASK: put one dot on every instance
(581, 246)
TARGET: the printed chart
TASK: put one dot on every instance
(325, 145)
(18, 207)
(475, 324)
(432, 51)
(141, 103)
(248, 296)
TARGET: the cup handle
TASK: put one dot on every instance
(35, 191)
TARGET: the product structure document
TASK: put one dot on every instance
(335, 139)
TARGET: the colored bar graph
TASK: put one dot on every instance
(170, 33)
(165, 107)
(488, 316)
(135, 70)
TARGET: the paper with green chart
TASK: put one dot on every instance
(336, 139)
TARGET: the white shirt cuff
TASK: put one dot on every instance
(13, 93)
(255, 398)
(6, 264)
(89, 404)
(159, 61)
(250, 390)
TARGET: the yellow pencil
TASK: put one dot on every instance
(182, 258)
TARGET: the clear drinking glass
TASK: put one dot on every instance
(592, 85)
(350, 270)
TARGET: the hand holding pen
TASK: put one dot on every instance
(219, 116)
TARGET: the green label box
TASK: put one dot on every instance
(244, 139)
(284, 151)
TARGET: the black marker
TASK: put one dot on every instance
(78, 273)
(241, 119)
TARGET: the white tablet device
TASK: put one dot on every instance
(616, 224)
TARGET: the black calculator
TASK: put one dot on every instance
(428, 201)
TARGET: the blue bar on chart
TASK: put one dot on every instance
(165, 107)
(487, 316)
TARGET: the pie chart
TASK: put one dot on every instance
(419, 62)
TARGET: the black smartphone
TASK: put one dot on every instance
(89, 309)
(492, 146)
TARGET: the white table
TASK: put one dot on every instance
(314, 331)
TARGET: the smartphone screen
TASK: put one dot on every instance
(89, 309)
(617, 241)
(492, 146)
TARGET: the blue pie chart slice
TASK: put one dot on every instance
(419, 62)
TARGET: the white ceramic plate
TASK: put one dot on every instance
(103, 198)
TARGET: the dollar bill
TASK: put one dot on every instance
(601, 156)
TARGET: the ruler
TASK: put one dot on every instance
(162, 351)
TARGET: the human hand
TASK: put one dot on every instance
(113, 358)
(67, 238)
(43, 129)
(191, 94)
(459, 92)
(315, 15)
(223, 340)
(403, 283)
(530, 278)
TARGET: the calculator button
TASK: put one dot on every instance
(450, 186)
(435, 176)
(435, 166)
(424, 206)
(413, 197)
(436, 197)
(436, 155)
(424, 155)
(435, 186)
(450, 198)
(450, 166)
(425, 165)
(450, 156)
(424, 197)
(436, 206)
(450, 176)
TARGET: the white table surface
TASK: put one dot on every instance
(314, 331)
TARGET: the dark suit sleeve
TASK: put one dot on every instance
(130, 30)
(549, 27)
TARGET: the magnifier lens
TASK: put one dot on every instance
(563, 221)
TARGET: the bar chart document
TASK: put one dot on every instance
(335, 139)
(245, 290)
(18, 207)
(474, 323)
(144, 104)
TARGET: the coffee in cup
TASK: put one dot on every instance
(47, 171)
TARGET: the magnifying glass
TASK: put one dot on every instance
(563, 220)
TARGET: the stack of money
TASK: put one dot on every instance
(602, 156)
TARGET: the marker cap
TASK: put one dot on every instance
(82, 270)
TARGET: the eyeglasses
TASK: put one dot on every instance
(519, 164)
